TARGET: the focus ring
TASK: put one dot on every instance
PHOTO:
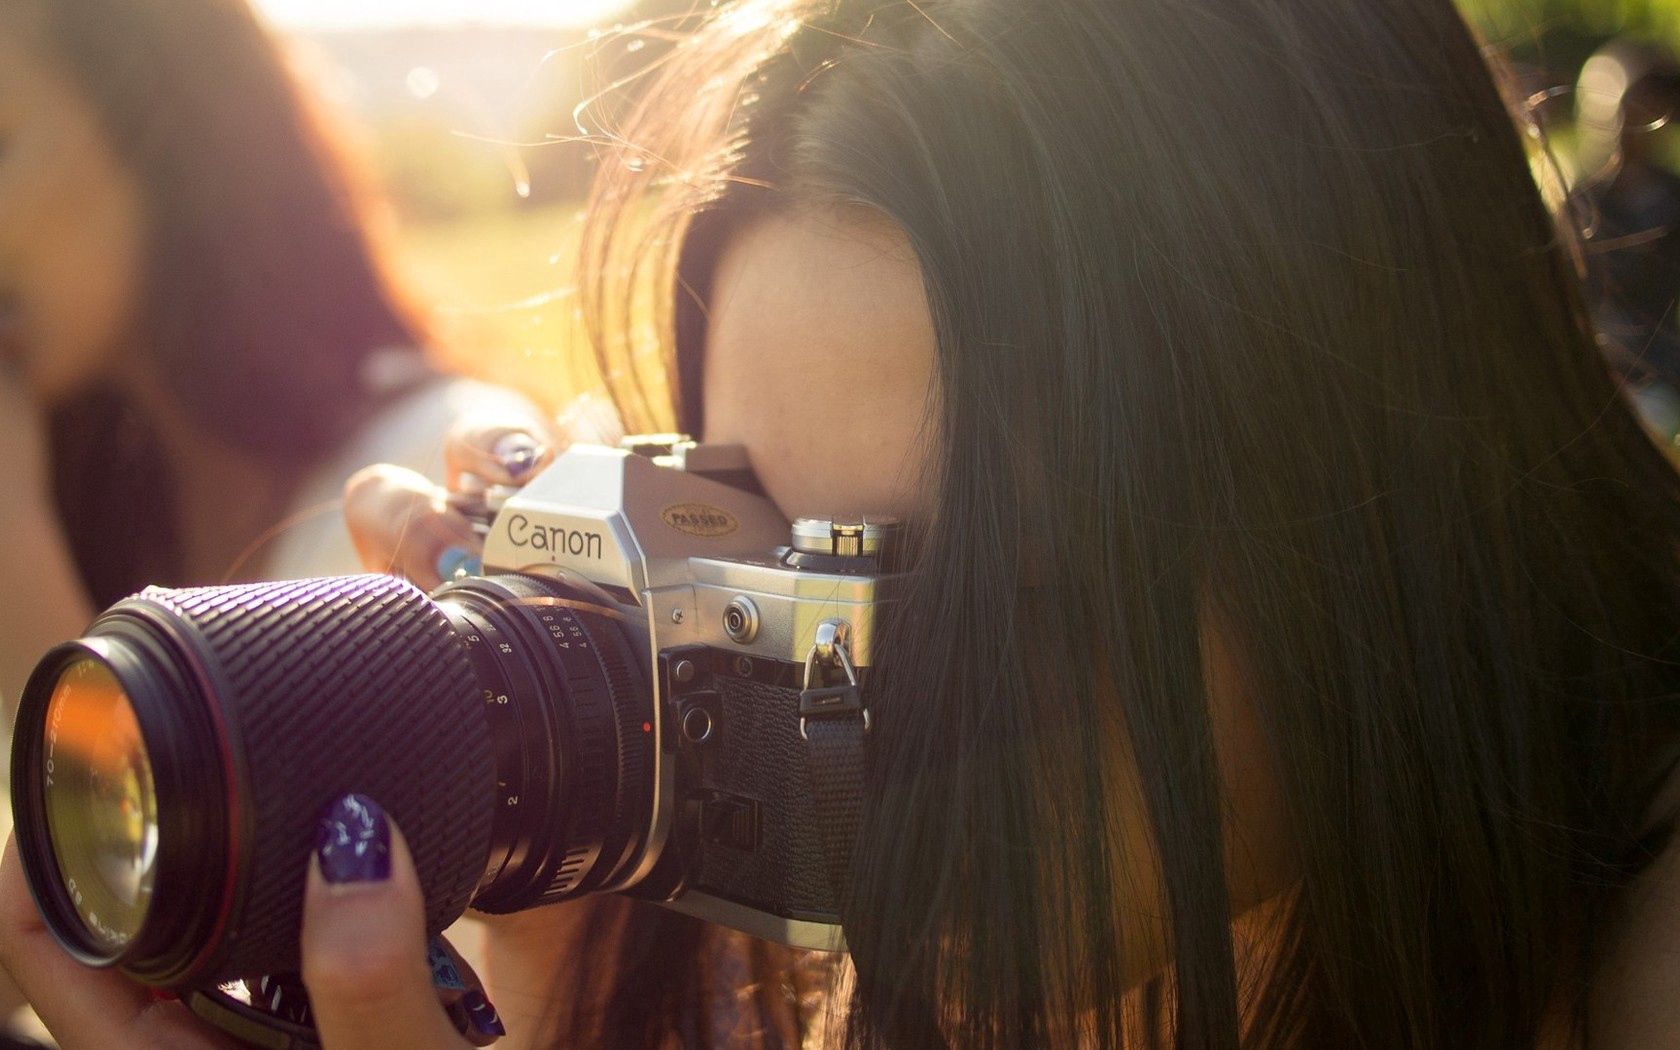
(576, 670)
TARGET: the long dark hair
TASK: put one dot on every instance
(1244, 305)
(266, 294)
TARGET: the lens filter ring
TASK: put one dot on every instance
(111, 888)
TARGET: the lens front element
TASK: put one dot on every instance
(101, 802)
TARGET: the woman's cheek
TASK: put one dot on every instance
(82, 287)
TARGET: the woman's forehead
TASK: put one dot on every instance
(835, 288)
(819, 359)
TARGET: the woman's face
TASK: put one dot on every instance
(72, 226)
(820, 356)
(819, 360)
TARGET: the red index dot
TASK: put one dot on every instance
(647, 727)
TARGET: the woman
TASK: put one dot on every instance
(1288, 655)
(199, 339)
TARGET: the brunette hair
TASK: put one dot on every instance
(1239, 301)
(265, 296)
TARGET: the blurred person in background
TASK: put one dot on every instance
(1628, 200)
(199, 336)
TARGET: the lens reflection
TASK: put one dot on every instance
(101, 802)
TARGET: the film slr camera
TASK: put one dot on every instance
(656, 688)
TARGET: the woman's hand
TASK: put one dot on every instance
(80, 1006)
(365, 961)
(366, 966)
(402, 523)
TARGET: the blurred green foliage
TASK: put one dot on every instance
(1560, 34)
(433, 173)
(1588, 17)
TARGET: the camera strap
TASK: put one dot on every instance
(834, 723)
(836, 764)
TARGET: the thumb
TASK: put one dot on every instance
(364, 938)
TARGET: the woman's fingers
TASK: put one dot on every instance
(365, 959)
(462, 993)
(401, 524)
(83, 1007)
(508, 451)
(497, 451)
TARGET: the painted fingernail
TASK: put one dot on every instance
(481, 1015)
(456, 562)
(518, 452)
(353, 841)
(444, 973)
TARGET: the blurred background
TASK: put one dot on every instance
(464, 110)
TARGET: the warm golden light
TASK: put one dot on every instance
(101, 802)
(337, 14)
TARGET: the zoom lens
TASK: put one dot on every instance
(169, 768)
(101, 802)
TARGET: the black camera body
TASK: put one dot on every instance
(745, 848)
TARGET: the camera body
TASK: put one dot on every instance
(744, 624)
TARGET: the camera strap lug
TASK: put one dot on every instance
(834, 721)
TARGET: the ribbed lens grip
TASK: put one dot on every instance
(330, 686)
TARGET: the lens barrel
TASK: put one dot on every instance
(257, 707)
(506, 725)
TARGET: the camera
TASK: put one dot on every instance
(657, 686)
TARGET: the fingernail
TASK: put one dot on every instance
(444, 973)
(455, 562)
(481, 1015)
(518, 452)
(353, 841)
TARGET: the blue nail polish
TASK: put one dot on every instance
(353, 841)
(444, 973)
(481, 1015)
(518, 452)
(456, 562)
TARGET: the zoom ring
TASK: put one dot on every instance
(628, 804)
(584, 736)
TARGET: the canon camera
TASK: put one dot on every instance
(656, 687)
